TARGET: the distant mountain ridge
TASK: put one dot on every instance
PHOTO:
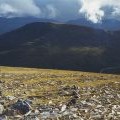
(60, 46)
(9, 24)
(107, 24)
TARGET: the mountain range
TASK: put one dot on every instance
(106, 24)
(9, 24)
(60, 46)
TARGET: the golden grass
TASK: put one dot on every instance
(28, 82)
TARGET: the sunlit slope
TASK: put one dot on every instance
(44, 84)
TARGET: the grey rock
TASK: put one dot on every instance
(10, 97)
(2, 102)
(1, 109)
(63, 108)
(22, 106)
(97, 117)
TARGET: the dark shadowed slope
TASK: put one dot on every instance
(60, 46)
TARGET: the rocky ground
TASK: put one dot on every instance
(32, 94)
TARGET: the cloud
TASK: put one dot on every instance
(17, 8)
(95, 10)
(21, 8)
(59, 9)
(51, 11)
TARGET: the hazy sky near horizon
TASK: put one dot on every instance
(92, 10)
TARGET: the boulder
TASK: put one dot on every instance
(22, 106)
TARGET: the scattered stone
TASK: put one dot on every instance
(1, 109)
(10, 97)
(63, 108)
(85, 103)
(18, 117)
(22, 106)
(2, 102)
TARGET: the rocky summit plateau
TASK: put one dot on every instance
(46, 94)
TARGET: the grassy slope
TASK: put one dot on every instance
(44, 84)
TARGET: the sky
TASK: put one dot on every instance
(92, 10)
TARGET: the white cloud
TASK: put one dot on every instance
(13, 8)
(51, 11)
(21, 8)
(94, 10)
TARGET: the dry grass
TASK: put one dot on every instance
(44, 84)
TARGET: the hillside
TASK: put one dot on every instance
(53, 89)
(60, 46)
